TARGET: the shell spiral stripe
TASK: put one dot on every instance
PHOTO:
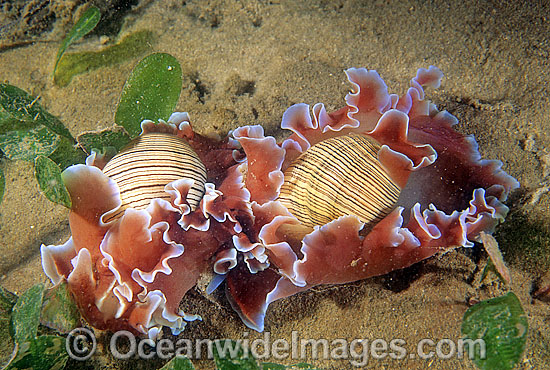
(336, 177)
(147, 164)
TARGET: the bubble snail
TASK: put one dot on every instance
(376, 186)
(144, 225)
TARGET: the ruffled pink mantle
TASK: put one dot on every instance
(450, 194)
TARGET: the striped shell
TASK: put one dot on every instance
(149, 162)
(336, 177)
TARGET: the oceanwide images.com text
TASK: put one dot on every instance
(81, 345)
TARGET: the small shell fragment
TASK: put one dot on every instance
(491, 247)
(336, 177)
(144, 167)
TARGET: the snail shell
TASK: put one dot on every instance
(149, 162)
(336, 177)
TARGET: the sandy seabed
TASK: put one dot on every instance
(245, 62)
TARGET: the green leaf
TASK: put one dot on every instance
(26, 314)
(2, 185)
(303, 365)
(47, 352)
(20, 111)
(115, 137)
(178, 363)
(131, 46)
(59, 310)
(7, 301)
(83, 26)
(151, 92)
(502, 324)
(27, 145)
(66, 154)
(48, 175)
(273, 366)
(229, 355)
(26, 129)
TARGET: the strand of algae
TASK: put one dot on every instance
(133, 45)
